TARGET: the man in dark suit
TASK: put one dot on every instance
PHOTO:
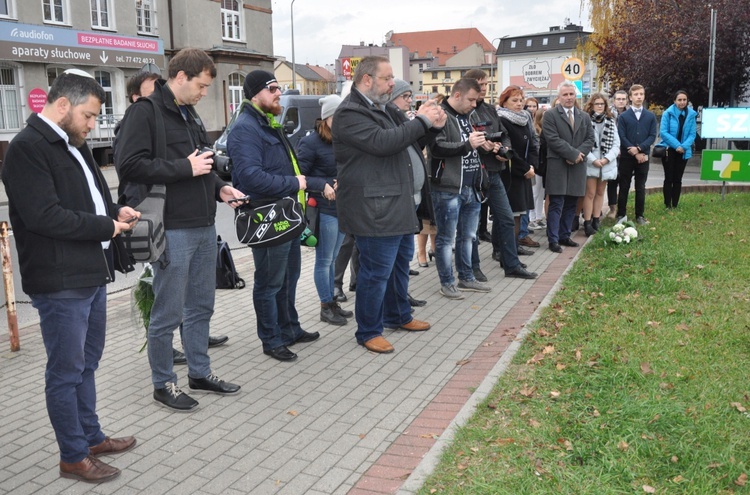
(570, 137)
(637, 129)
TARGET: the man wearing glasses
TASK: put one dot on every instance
(265, 166)
(375, 197)
(184, 277)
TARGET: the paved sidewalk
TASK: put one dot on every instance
(339, 420)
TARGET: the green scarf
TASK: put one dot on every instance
(278, 127)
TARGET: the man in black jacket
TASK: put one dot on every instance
(503, 227)
(66, 227)
(375, 197)
(184, 276)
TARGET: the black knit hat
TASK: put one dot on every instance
(256, 81)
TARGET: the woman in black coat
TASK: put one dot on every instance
(520, 170)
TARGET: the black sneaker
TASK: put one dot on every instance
(172, 397)
(479, 275)
(213, 384)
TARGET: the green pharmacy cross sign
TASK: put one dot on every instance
(725, 165)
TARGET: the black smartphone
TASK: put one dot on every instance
(237, 200)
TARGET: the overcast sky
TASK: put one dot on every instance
(322, 26)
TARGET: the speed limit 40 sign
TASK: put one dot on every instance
(572, 69)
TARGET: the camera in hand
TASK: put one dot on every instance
(494, 137)
(222, 164)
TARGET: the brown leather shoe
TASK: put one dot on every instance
(113, 446)
(379, 344)
(90, 470)
(528, 242)
(415, 326)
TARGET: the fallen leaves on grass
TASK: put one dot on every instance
(646, 368)
(623, 446)
(649, 489)
(741, 480)
(527, 391)
(738, 406)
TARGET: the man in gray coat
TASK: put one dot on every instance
(570, 137)
(375, 197)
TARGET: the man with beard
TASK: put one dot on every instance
(66, 228)
(184, 276)
(375, 199)
(265, 166)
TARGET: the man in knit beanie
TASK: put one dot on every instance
(265, 166)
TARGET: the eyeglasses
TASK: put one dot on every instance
(384, 78)
(407, 96)
(274, 89)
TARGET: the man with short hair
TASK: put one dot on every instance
(637, 129)
(503, 226)
(619, 105)
(375, 198)
(141, 85)
(67, 230)
(184, 276)
(265, 166)
(456, 182)
(570, 137)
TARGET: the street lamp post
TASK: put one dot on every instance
(294, 65)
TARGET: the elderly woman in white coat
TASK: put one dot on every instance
(601, 162)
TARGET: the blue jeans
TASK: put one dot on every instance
(382, 284)
(456, 216)
(184, 293)
(277, 271)
(524, 230)
(73, 326)
(562, 210)
(329, 243)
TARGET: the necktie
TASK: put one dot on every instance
(570, 118)
(637, 113)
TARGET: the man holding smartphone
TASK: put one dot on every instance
(67, 230)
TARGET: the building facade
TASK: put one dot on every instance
(535, 62)
(112, 40)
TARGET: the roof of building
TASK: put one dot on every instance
(323, 72)
(442, 44)
(556, 39)
(306, 72)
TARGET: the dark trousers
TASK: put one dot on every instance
(674, 168)
(612, 192)
(277, 270)
(629, 167)
(562, 210)
(73, 324)
(348, 255)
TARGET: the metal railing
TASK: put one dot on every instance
(104, 132)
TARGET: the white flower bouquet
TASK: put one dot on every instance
(621, 233)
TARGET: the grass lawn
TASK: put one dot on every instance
(635, 378)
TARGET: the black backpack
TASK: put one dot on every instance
(226, 273)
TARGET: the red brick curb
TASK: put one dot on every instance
(395, 465)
